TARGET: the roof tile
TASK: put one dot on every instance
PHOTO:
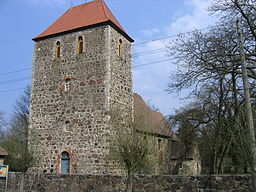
(85, 15)
(158, 124)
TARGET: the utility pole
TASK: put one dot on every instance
(251, 134)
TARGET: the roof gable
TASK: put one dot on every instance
(156, 121)
(81, 16)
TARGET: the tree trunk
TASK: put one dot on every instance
(129, 182)
(212, 165)
(249, 115)
(218, 130)
(128, 187)
(22, 181)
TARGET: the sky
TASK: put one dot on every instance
(143, 20)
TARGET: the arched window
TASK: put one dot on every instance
(58, 49)
(67, 126)
(120, 48)
(80, 44)
(67, 84)
(65, 163)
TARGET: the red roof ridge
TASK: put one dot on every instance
(88, 15)
(155, 119)
(104, 5)
(84, 4)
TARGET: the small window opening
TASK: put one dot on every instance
(65, 163)
(68, 85)
(58, 49)
(80, 44)
(159, 143)
(120, 48)
(67, 125)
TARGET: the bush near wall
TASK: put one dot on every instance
(116, 183)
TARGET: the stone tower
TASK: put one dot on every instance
(81, 69)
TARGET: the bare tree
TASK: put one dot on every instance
(231, 10)
(210, 64)
(188, 121)
(129, 146)
(2, 125)
(16, 142)
(20, 118)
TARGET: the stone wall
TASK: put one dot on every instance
(159, 163)
(116, 183)
(99, 78)
(190, 165)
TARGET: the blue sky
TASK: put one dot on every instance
(144, 20)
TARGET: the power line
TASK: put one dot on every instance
(15, 80)
(10, 90)
(171, 36)
(16, 71)
(152, 51)
(151, 63)
(135, 55)
(29, 77)
(149, 52)
(136, 66)
(145, 42)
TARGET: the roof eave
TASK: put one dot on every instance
(38, 38)
(156, 134)
(121, 31)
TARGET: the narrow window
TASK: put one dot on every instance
(67, 84)
(58, 49)
(120, 47)
(80, 45)
(65, 163)
(159, 141)
(67, 125)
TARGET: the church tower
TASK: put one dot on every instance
(81, 69)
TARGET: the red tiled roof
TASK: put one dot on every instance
(156, 121)
(3, 152)
(81, 16)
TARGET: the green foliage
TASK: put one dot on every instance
(19, 158)
(16, 141)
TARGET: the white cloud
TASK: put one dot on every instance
(199, 18)
(150, 32)
(151, 81)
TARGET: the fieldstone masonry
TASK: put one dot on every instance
(100, 80)
(116, 183)
(81, 74)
